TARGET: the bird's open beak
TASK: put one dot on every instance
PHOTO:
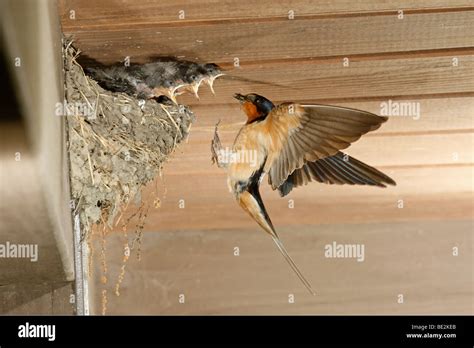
(194, 88)
(168, 92)
(173, 92)
(210, 81)
(241, 98)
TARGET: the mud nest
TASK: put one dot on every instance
(117, 143)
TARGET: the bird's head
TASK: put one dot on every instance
(255, 106)
(212, 72)
(193, 73)
(192, 78)
(212, 69)
(167, 84)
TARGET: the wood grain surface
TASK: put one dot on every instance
(426, 58)
(276, 40)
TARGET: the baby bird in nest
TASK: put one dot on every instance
(163, 77)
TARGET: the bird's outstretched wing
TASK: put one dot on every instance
(338, 169)
(300, 134)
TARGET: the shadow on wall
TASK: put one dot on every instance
(33, 284)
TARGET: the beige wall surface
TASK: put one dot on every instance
(34, 190)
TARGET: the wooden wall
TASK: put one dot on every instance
(426, 57)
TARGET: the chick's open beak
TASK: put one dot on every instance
(194, 88)
(210, 81)
(168, 92)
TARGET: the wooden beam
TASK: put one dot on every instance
(310, 82)
(106, 14)
(268, 40)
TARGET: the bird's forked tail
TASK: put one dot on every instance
(252, 203)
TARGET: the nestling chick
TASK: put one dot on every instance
(212, 72)
(169, 77)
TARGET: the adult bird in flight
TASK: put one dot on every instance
(295, 144)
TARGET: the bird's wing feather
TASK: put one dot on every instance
(306, 133)
(338, 169)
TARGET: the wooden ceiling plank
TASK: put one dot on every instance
(389, 151)
(250, 42)
(311, 208)
(413, 257)
(399, 78)
(436, 115)
(106, 13)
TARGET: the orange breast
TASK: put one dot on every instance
(251, 111)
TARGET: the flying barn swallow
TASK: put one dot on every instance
(296, 144)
